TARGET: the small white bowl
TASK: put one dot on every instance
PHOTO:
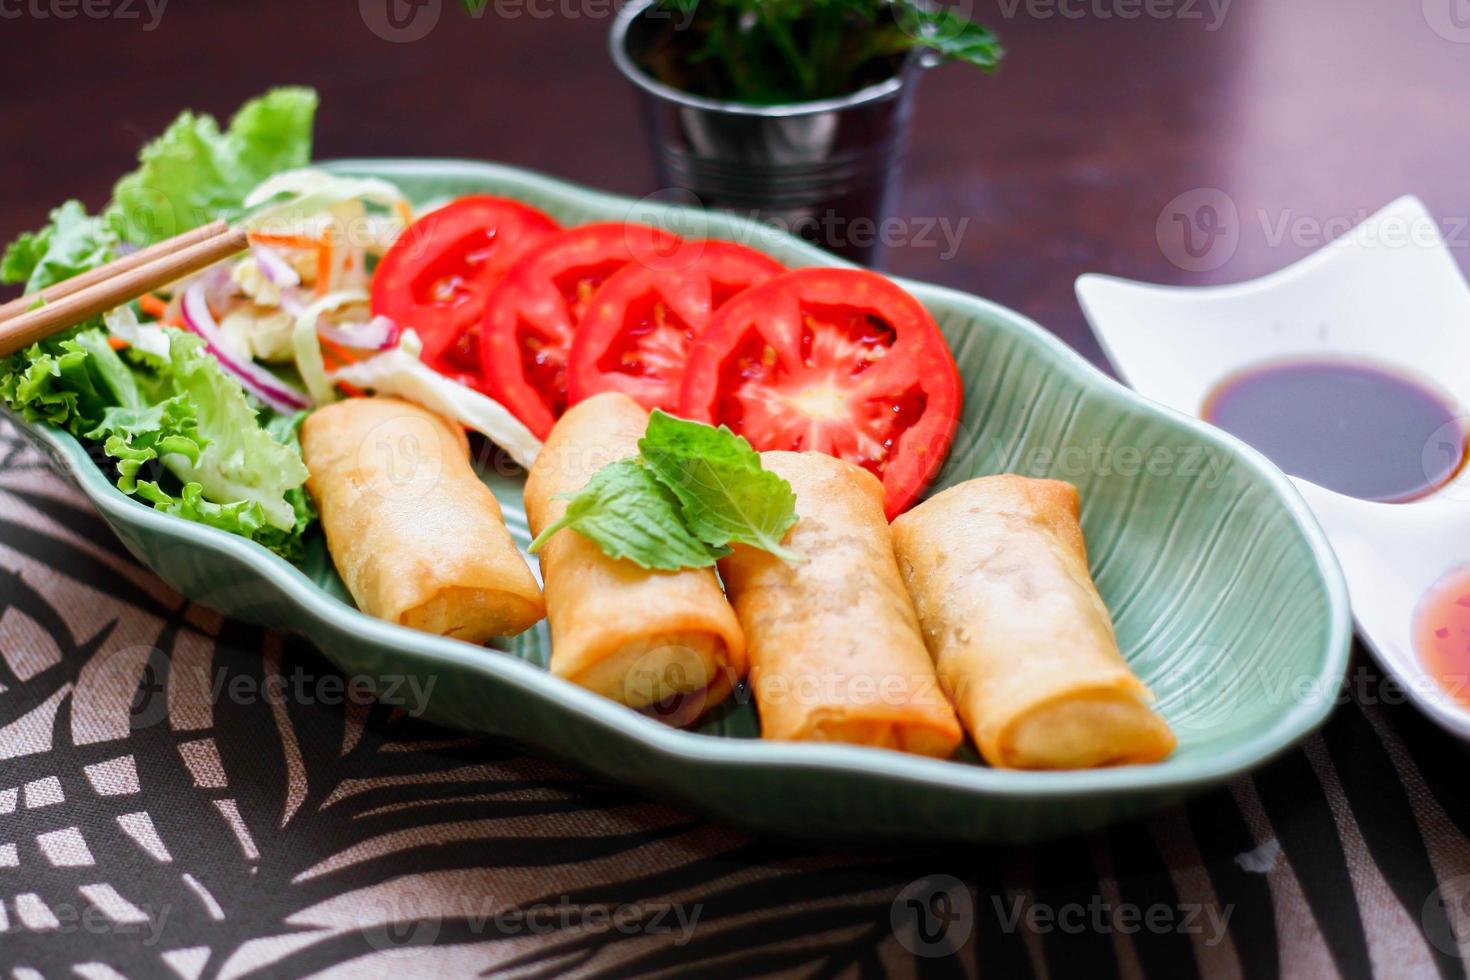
(1388, 291)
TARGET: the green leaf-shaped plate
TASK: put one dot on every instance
(1227, 600)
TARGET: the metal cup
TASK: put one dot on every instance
(825, 170)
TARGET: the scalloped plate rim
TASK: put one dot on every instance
(292, 584)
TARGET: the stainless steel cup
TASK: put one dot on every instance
(825, 170)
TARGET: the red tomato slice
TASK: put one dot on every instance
(438, 274)
(532, 316)
(840, 361)
(636, 333)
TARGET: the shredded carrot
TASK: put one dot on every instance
(154, 305)
(324, 266)
(336, 356)
(285, 241)
(115, 342)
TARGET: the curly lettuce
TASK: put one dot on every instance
(194, 173)
(178, 430)
(184, 417)
(72, 243)
(189, 176)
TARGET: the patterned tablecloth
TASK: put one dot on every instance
(183, 795)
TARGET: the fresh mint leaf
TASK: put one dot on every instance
(628, 513)
(723, 492)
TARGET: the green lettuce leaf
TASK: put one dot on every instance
(187, 418)
(628, 513)
(72, 243)
(241, 459)
(58, 382)
(194, 173)
(180, 430)
(722, 490)
(189, 176)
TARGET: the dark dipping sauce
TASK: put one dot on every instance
(1350, 426)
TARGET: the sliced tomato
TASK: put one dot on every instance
(840, 361)
(533, 314)
(438, 274)
(636, 334)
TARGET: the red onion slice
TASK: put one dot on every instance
(277, 271)
(258, 381)
(379, 333)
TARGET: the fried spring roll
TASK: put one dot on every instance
(637, 636)
(998, 572)
(415, 535)
(834, 644)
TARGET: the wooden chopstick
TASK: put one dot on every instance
(119, 282)
(143, 256)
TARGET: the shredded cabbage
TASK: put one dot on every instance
(309, 192)
(399, 372)
(308, 345)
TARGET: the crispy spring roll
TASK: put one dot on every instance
(835, 649)
(998, 572)
(415, 535)
(637, 636)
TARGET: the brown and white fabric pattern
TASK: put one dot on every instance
(185, 796)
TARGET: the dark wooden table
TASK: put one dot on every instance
(1307, 114)
(1303, 115)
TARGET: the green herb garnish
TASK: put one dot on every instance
(628, 513)
(723, 492)
(692, 492)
